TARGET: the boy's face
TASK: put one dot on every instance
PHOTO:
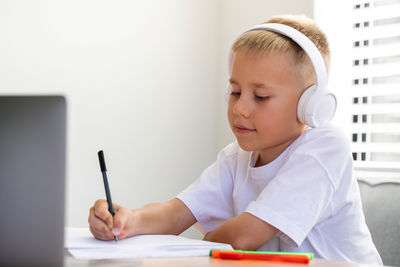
(262, 109)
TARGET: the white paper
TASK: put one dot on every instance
(82, 245)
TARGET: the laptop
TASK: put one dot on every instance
(32, 180)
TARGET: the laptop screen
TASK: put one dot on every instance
(32, 180)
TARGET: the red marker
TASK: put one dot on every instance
(258, 255)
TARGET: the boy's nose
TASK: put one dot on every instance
(240, 108)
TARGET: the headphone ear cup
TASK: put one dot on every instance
(316, 106)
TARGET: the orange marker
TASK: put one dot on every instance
(259, 255)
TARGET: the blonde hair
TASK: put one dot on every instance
(261, 42)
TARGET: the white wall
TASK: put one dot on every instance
(140, 78)
(144, 82)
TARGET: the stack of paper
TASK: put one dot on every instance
(81, 244)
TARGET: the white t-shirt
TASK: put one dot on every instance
(308, 193)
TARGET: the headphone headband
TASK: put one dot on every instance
(306, 44)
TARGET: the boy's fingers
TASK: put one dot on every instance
(116, 207)
(103, 225)
(97, 226)
(101, 212)
(119, 223)
(121, 218)
(101, 235)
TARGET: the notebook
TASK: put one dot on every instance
(82, 245)
(32, 180)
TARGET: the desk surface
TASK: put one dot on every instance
(197, 261)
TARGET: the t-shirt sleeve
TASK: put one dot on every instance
(300, 195)
(209, 198)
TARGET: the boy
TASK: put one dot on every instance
(282, 186)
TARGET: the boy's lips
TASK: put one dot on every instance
(243, 129)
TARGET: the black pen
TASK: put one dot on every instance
(106, 187)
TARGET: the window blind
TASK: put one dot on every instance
(375, 88)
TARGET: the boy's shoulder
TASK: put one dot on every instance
(329, 134)
(233, 153)
(326, 140)
(230, 150)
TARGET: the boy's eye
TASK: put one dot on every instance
(261, 97)
(235, 93)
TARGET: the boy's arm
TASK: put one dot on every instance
(246, 232)
(170, 217)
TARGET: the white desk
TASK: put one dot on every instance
(197, 261)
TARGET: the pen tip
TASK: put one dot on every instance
(115, 239)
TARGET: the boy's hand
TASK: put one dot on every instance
(170, 217)
(104, 226)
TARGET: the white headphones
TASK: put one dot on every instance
(316, 105)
